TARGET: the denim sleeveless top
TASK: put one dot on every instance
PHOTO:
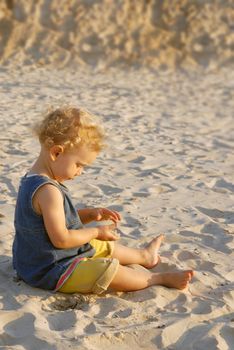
(35, 259)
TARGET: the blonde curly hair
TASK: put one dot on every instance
(70, 127)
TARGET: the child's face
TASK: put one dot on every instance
(69, 164)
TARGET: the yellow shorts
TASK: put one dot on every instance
(93, 275)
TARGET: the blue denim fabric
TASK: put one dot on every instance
(35, 258)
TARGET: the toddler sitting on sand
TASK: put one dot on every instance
(52, 248)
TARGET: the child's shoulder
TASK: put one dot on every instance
(43, 191)
(32, 182)
(35, 179)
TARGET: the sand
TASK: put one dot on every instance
(168, 168)
(104, 33)
(159, 76)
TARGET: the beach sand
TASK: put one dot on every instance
(159, 76)
(168, 168)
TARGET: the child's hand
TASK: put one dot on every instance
(107, 233)
(101, 214)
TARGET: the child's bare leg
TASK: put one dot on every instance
(128, 279)
(147, 257)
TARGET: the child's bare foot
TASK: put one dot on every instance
(178, 280)
(150, 252)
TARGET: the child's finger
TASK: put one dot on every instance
(117, 215)
(112, 215)
(114, 219)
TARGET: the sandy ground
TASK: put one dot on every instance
(168, 168)
(103, 33)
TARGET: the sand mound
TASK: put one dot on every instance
(105, 33)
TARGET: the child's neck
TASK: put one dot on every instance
(42, 167)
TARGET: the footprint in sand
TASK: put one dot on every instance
(221, 185)
(61, 321)
(123, 313)
(19, 330)
(108, 190)
(226, 217)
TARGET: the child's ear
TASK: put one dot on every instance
(55, 151)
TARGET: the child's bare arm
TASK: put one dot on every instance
(86, 215)
(98, 214)
(49, 201)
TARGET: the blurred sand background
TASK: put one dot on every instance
(105, 33)
(159, 75)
